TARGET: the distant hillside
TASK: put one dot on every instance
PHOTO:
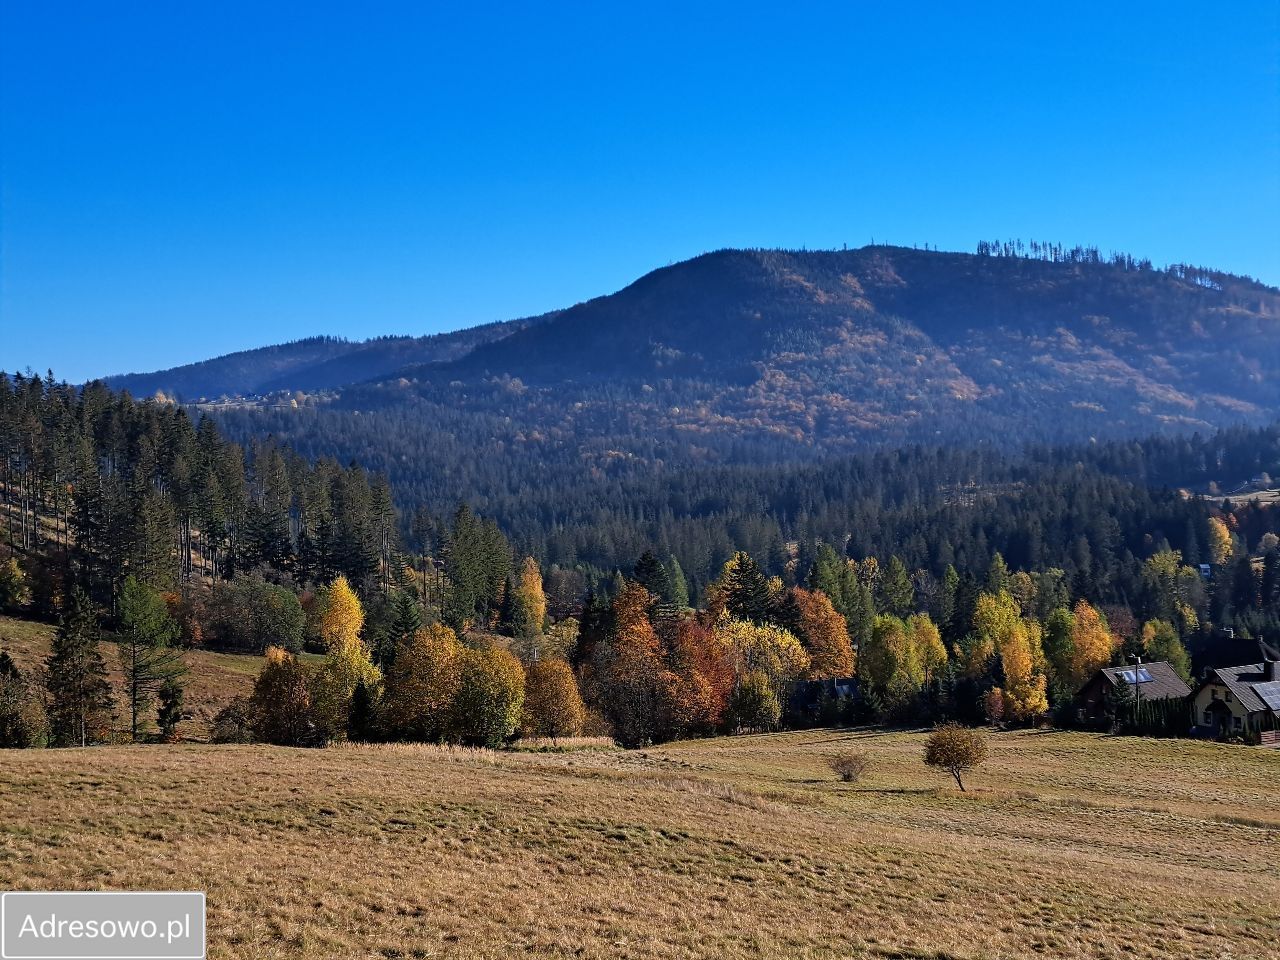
(836, 349)
(317, 363)
(827, 349)
(758, 357)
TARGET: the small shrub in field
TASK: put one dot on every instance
(234, 723)
(955, 749)
(850, 766)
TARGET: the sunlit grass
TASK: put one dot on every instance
(1066, 845)
(213, 678)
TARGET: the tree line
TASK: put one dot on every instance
(951, 584)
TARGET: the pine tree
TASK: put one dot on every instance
(171, 708)
(897, 596)
(997, 575)
(79, 694)
(947, 601)
(651, 575)
(406, 620)
(861, 615)
(745, 589)
(679, 584)
(147, 657)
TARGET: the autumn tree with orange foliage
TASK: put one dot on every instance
(705, 670)
(627, 665)
(823, 632)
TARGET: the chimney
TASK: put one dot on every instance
(1271, 669)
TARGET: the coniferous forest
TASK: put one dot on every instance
(950, 582)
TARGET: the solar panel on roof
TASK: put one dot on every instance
(1269, 693)
(1140, 675)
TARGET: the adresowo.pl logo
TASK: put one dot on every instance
(107, 925)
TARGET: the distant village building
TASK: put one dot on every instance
(1241, 701)
(1144, 681)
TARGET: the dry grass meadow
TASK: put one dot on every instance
(1066, 845)
(213, 680)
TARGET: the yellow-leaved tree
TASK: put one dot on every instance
(347, 665)
(888, 660)
(1220, 547)
(1024, 691)
(528, 610)
(552, 704)
(994, 617)
(421, 684)
(342, 617)
(927, 646)
(763, 648)
(999, 628)
(1092, 643)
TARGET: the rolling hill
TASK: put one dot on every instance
(316, 363)
(826, 349)
(757, 357)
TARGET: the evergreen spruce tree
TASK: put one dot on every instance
(746, 589)
(947, 600)
(406, 620)
(171, 707)
(679, 584)
(652, 575)
(79, 693)
(897, 595)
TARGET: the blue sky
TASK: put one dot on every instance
(181, 180)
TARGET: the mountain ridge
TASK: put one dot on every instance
(838, 348)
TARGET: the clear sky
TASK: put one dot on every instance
(179, 180)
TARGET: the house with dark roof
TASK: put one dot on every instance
(1241, 701)
(1148, 682)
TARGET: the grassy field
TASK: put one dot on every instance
(214, 678)
(1066, 845)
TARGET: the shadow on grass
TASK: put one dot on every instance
(915, 791)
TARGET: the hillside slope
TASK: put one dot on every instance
(317, 363)
(825, 350)
(834, 348)
(213, 681)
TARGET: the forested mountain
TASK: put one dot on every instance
(316, 363)
(832, 349)
(754, 353)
